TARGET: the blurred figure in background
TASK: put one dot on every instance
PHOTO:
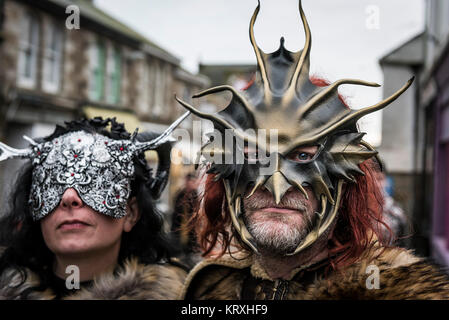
(184, 205)
(393, 214)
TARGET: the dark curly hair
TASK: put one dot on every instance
(22, 237)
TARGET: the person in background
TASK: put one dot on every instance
(185, 204)
(393, 215)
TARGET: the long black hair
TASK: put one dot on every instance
(22, 237)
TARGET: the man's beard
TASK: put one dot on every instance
(275, 232)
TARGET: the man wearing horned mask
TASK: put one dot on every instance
(307, 223)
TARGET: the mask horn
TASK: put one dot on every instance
(216, 119)
(11, 153)
(351, 115)
(161, 139)
(258, 52)
(235, 94)
(355, 115)
(160, 179)
(302, 68)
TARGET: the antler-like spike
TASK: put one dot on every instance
(278, 185)
(378, 106)
(314, 233)
(237, 221)
(259, 182)
(323, 224)
(31, 141)
(323, 94)
(10, 153)
(320, 187)
(240, 97)
(352, 115)
(217, 120)
(303, 59)
(308, 44)
(260, 61)
(298, 185)
(204, 115)
(163, 138)
(336, 205)
(134, 135)
(371, 148)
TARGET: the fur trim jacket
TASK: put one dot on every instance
(134, 281)
(385, 274)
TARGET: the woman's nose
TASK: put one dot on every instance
(71, 199)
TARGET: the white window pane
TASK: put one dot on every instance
(28, 51)
(93, 60)
(112, 75)
(52, 57)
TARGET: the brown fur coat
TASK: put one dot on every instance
(132, 281)
(401, 276)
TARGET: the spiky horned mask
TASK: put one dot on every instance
(99, 168)
(283, 98)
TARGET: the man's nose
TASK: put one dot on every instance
(71, 199)
(278, 185)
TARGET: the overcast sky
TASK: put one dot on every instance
(348, 36)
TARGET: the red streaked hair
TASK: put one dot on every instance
(358, 224)
(320, 82)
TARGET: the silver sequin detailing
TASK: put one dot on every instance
(98, 168)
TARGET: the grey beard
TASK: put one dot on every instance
(287, 240)
(288, 237)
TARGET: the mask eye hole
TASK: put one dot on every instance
(251, 154)
(303, 154)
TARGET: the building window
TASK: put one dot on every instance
(113, 75)
(145, 89)
(186, 96)
(97, 68)
(52, 57)
(28, 51)
(160, 87)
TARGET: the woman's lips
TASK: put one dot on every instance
(74, 225)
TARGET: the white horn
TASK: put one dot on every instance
(10, 153)
(164, 137)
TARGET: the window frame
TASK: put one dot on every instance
(113, 75)
(97, 61)
(52, 59)
(28, 48)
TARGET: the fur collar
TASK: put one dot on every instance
(385, 258)
(132, 281)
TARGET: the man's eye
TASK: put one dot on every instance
(304, 156)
